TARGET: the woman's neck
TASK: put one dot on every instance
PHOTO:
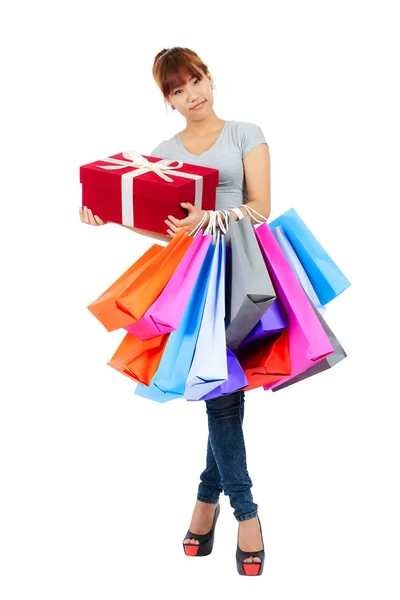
(201, 128)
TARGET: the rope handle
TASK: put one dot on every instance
(250, 212)
(199, 225)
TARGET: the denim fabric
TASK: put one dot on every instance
(226, 467)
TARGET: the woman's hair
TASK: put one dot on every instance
(172, 66)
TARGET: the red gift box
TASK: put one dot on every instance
(141, 191)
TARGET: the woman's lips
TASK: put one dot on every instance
(199, 105)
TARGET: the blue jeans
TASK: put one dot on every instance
(226, 467)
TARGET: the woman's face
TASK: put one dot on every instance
(194, 91)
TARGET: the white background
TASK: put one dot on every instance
(97, 484)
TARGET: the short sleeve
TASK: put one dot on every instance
(157, 152)
(251, 135)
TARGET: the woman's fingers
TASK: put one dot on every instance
(177, 222)
(87, 216)
(84, 215)
(91, 219)
(173, 227)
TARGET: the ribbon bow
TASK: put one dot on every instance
(137, 161)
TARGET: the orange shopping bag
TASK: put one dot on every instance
(139, 359)
(266, 361)
(150, 281)
(105, 308)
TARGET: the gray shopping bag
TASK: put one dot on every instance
(249, 289)
(327, 363)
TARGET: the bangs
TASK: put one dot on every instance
(177, 68)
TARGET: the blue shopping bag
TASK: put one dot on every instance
(209, 368)
(326, 278)
(170, 378)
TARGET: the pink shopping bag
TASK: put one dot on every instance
(308, 342)
(166, 312)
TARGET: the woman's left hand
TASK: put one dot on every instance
(189, 223)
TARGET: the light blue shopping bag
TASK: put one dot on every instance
(170, 378)
(297, 267)
(326, 278)
(209, 368)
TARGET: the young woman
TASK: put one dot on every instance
(239, 151)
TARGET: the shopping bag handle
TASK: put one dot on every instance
(211, 223)
(238, 212)
(198, 227)
(223, 227)
(250, 212)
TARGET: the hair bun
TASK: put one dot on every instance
(161, 53)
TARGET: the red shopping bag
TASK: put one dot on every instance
(266, 361)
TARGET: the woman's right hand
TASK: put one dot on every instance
(87, 217)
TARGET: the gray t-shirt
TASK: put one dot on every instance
(236, 139)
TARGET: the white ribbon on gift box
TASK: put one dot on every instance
(141, 166)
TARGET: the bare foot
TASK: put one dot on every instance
(202, 520)
(250, 538)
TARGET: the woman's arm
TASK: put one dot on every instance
(256, 166)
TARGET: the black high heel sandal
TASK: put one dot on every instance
(206, 540)
(246, 568)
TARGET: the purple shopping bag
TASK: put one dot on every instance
(237, 380)
(273, 321)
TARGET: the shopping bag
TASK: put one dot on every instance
(209, 368)
(249, 290)
(105, 308)
(308, 341)
(236, 379)
(266, 361)
(139, 359)
(151, 281)
(326, 278)
(164, 315)
(297, 267)
(273, 321)
(170, 379)
(327, 363)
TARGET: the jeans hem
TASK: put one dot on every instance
(208, 500)
(250, 515)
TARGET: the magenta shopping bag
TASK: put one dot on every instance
(308, 342)
(165, 314)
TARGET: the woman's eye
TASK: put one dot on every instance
(198, 79)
